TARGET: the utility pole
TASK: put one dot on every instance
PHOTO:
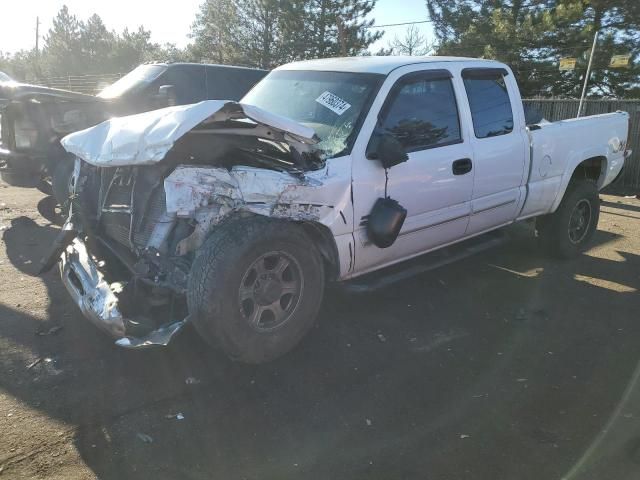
(37, 34)
(37, 57)
(588, 74)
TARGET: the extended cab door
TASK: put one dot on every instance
(499, 143)
(420, 109)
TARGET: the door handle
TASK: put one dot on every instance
(462, 166)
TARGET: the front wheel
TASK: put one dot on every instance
(568, 231)
(256, 288)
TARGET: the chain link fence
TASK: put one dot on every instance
(89, 84)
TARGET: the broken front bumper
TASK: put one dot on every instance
(98, 302)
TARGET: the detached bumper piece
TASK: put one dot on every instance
(99, 303)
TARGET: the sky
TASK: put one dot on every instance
(167, 24)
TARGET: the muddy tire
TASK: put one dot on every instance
(567, 232)
(255, 288)
(61, 182)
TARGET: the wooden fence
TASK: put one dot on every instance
(560, 109)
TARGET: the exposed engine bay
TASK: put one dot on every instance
(145, 200)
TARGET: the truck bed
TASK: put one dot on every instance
(556, 148)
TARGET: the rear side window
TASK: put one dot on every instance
(422, 113)
(489, 103)
(189, 82)
(225, 83)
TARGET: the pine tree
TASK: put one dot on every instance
(531, 36)
(216, 32)
(260, 32)
(97, 44)
(63, 45)
(341, 27)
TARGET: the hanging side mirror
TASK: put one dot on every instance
(385, 222)
(387, 149)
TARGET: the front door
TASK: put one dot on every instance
(434, 185)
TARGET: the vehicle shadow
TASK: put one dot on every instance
(620, 205)
(49, 209)
(506, 355)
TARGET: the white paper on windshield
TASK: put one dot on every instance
(333, 103)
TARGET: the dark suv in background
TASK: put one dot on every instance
(33, 119)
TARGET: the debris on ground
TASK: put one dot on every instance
(52, 331)
(382, 338)
(177, 416)
(521, 380)
(192, 381)
(463, 436)
(521, 314)
(143, 437)
(35, 362)
(369, 423)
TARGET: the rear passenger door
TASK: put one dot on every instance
(435, 184)
(498, 143)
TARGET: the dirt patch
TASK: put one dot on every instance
(508, 356)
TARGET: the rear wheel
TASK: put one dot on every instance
(256, 288)
(567, 232)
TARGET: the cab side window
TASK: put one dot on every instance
(422, 112)
(189, 81)
(489, 102)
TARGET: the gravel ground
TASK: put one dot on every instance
(506, 365)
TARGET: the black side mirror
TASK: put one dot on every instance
(385, 222)
(386, 148)
(167, 95)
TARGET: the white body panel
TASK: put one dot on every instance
(438, 203)
(558, 147)
(499, 164)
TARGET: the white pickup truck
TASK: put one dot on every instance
(234, 216)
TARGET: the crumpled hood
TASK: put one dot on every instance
(146, 138)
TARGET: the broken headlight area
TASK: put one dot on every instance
(119, 268)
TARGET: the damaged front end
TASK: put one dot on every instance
(148, 190)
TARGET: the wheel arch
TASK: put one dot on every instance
(321, 236)
(324, 240)
(591, 165)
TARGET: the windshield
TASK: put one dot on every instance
(5, 78)
(332, 103)
(142, 75)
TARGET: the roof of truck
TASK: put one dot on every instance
(375, 64)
